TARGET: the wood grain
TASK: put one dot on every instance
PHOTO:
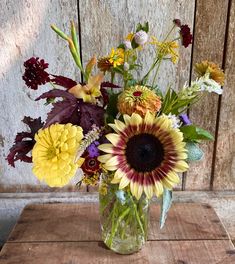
(47, 222)
(209, 37)
(158, 252)
(25, 32)
(224, 177)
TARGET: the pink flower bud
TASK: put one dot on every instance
(141, 37)
(127, 44)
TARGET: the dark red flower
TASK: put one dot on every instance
(186, 35)
(90, 165)
(177, 22)
(35, 73)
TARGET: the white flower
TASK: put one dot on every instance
(127, 44)
(141, 37)
(209, 85)
(176, 122)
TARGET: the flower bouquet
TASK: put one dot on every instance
(129, 138)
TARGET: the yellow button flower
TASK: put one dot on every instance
(54, 154)
(116, 57)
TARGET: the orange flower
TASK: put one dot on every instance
(213, 69)
(138, 99)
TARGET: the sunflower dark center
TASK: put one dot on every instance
(144, 152)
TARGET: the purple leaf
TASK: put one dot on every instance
(61, 112)
(91, 115)
(63, 81)
(57, 93)
(109, 85)
(24, 142)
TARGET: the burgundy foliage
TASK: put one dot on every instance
(63, 81)
(24, 142)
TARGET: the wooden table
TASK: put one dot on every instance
(70, 234)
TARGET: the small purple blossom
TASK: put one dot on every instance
(185, 119)
(93, 150)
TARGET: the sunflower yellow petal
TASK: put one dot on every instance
(124, 182)
(110, 168)
(149, 118)
(112, 162)
(135, 119)
(127, 119)
(119, 174)
(113, 126)
(104, 158)
(119, 125)
(181, 166)
(108, 148)
(158, 188)
(173, 177)
(167, 183)
(113, 138)
(148, 189)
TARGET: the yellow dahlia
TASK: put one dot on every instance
(138, 99)
(54, 154)
(213, 69)
(145, 154)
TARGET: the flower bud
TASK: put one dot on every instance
(127, 44)
(141, 37)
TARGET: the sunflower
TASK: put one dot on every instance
(138, 99)
(145, 153)
(54, 154)
(213, 69)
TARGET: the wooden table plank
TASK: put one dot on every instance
(80, 222)
(158, 252)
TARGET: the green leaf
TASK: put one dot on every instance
(165, 206)
(193, 133)
(194, 152)
(139, 27)
(112, 110)
(121, 46)
(145, 27)
(134, 45)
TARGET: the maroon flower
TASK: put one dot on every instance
(177, 22)
(90, 165)
(35, 73)
(186, 35)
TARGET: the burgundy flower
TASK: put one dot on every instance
(186, 35)
(35, 73)
(177, 22)
(90, 165)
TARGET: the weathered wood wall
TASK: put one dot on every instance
(25, 31)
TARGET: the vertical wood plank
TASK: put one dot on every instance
(209, 37)
(224, 174)
(25, 32)
(104, 24)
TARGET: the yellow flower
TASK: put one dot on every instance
(167, 48)
(116, 57)
(145, 154)
(54, 154)
(213, 69)
(89, 91)
(130, 36)
(138, 99)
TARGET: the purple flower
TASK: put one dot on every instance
(93, 150)
(185, 119)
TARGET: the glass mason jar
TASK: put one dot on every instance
(124, 220)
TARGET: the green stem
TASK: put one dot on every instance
(115, 226)
(136, 214)
(156, 73)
